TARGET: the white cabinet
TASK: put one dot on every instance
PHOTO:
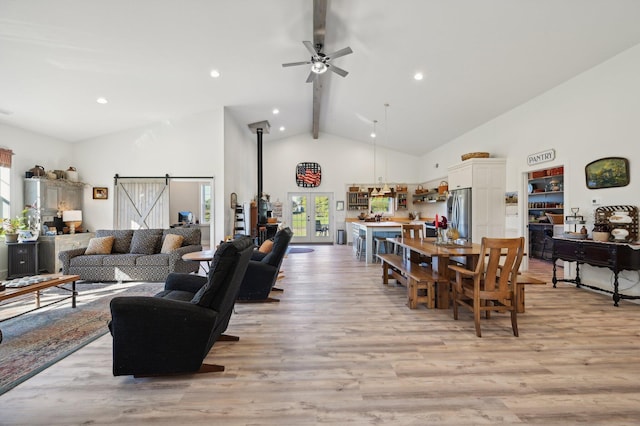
(486, 178)
(460, 176)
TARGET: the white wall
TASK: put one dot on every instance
(183, 147)
(241, 166)
(342, 161)
(591, 116)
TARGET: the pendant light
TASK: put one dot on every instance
(375, 192)
(385, 189)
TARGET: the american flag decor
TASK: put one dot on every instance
(308, 175)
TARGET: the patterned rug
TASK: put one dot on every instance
(291, 250)
(37, 340)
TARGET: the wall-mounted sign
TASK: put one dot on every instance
(541, 157)
(308, 175)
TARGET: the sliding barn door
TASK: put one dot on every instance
(141, 203)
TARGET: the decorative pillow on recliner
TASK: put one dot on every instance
(171, 242)
(266, 246)
(144, 243)
(102, 245)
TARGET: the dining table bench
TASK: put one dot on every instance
(413, 276)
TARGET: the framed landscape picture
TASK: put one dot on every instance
(607, 172)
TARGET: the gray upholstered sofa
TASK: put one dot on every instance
(134, 256)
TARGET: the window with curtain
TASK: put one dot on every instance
(5, 182)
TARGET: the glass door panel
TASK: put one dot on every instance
(311, 217)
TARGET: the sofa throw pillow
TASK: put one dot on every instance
(266, 246)
(144, 243)
(101, 245)
(171, 242)
(122, 242)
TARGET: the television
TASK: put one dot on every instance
(185, 217)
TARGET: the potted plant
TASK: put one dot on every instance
(11, 226)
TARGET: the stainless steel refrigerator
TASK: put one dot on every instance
(459, 212)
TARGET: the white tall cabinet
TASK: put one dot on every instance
(486, 178)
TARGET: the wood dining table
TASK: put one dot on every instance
(441, 256)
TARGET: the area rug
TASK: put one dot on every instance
(37, 340)
(291, 250)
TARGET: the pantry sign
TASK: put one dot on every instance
(541, 157)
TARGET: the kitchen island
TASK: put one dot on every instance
(371, 229)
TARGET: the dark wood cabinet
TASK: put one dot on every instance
(540, 241)
(615, 256)
(23, 259)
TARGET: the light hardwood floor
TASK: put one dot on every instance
(340, 348)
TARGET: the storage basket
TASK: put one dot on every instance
(420, 189)
(354, 189)
(443, 187)
(475, 155)
(554, 218)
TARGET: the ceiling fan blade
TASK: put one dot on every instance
(310, 48)
(341, 52)
(337, 70)
(293, 64)
(312, 75)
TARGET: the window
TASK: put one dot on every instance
(5, 194)
(5, 182)
(381, 205)
(205, 203)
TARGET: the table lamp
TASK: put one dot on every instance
(73, 219)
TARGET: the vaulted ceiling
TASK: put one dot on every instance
(151, 60)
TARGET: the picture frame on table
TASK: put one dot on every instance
(100, 193)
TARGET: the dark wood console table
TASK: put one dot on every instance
(615, 256)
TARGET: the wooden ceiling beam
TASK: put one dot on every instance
(319, 29)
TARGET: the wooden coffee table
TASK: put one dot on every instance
(55, 280)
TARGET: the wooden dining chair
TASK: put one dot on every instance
(411, 230)
(492, 285)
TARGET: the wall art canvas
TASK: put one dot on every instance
(607, 172)
(308, 175)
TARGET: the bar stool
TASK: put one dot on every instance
(361, 246)
(378, 244)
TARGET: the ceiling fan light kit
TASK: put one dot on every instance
(318, 68)
(320, 62)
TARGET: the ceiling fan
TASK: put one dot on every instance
(320, 61)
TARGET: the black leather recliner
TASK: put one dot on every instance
(173, 331)
(262, 274)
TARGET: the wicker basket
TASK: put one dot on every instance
(554, 218)
(475, 155)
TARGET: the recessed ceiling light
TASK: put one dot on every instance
(373, 134)
(282, 128)
(418, 76)
(276, 111)
(102, 100)
(214, 73)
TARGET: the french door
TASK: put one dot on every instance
(311, 217)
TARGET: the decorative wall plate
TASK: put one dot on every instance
(308, 175)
